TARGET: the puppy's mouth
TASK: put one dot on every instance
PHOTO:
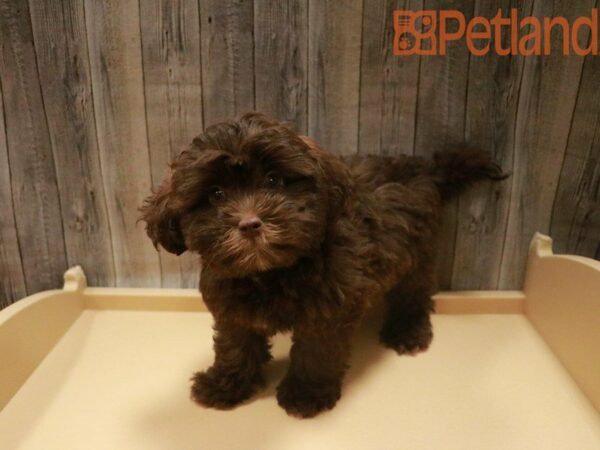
(246, 253)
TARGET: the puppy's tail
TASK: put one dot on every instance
(456, 169)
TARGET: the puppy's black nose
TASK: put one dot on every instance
(250, 226)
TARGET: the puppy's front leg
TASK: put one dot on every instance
(237, 371)
(319, 359)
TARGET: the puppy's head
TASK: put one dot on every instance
(248, 196)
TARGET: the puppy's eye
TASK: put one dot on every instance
(273, 180)
(217, 195)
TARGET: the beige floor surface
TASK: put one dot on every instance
(119, 380)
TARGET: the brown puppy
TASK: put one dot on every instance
(292, 238)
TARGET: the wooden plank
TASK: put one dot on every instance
(61, 49)
(12, 278)
(545, 111)
(388, 83)
(113, 31)
(170, 36)
(575, 226)
(334, 71)
(281, 60)
(33, 177)
(441, 120)
(492, 98)
(227, 28)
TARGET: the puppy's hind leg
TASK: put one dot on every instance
(407, 326)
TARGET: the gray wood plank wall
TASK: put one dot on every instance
(96, 97)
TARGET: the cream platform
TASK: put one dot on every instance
(107, 368)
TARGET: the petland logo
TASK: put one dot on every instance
(429, 32)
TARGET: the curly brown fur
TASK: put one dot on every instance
(292, 238)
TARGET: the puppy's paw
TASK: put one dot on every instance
(222, 390)
(407, 341)
(307, 399)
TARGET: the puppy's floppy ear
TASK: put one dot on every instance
(337, 176)
(162, 222)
